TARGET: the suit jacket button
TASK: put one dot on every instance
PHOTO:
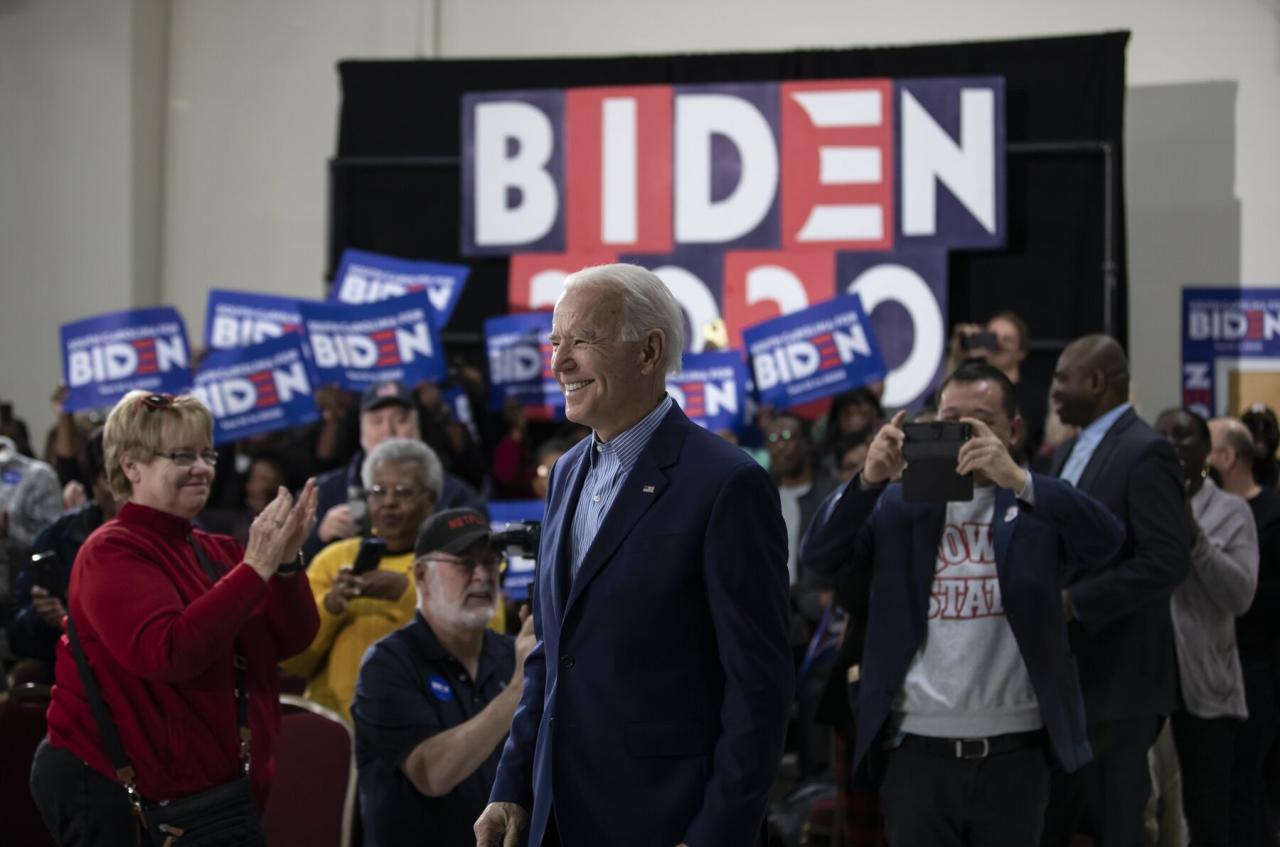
(566, 662)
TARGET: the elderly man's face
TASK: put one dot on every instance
(605, 380)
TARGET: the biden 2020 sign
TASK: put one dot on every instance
(107, 356)
(748, 200)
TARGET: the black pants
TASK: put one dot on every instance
(936, 801)
(1205, 749)
(1249, 818)
(80, 807)
(1107, 798)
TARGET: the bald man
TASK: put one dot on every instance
(1121, 632)
(1257, 632)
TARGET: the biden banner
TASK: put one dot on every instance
(711, 388)
(257, 389)
(369, 277)
(823, 351)
(106, 357)
(357, 345)
(242, 318)
(1227, 333)
(519, 352)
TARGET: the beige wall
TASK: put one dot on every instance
(237, 153)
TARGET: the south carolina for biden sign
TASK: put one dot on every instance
(745, 197)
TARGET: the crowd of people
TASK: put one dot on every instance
(1089, 645)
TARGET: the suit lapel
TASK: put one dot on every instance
(1003, 524)
(1060, 456)
(563, 565)
(642, 488)
(1102, 455)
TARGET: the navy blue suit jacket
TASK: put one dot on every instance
(656, 700)
(1124, 635)
(1035, 548)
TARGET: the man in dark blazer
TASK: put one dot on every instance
(1122, 634)
(656, 700)
(966, 679)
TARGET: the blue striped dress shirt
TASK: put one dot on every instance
(609, 465)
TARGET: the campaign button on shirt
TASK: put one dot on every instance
(440, 688)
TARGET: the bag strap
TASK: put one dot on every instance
(106, 726)
(238, 662)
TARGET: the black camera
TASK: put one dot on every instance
(519, 539)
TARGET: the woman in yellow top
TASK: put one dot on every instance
(402, 480)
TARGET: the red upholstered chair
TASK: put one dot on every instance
(313, 795)
(22, 728)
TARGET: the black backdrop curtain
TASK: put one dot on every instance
(395, 181)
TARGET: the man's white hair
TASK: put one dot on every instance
(647, 304)
(410, 452)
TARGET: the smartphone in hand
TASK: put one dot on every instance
(931, 451)
(369, 556)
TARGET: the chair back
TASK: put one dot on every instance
(22, 728)
(313, 793)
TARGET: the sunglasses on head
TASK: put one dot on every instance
(156, 401)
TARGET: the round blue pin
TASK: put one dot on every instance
(440, 689)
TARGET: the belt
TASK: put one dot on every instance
(975, 748)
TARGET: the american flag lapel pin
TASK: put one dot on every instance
(648, 489)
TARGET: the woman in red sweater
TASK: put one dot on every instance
(160, 636)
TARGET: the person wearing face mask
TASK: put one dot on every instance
(402, 480)
(435, 698)
(173, 623)
(1220, 586)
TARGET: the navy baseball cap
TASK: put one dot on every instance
(451, 531)
(385, 394)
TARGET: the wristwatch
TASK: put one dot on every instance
(291, 567)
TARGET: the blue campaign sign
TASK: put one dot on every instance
(1226, 331)
(106, 357)
(519, 574)
(356, 345)
(712, 389)
(252, 390)
(369, 277)
(819, 352)
(243, 318)
(520, 364)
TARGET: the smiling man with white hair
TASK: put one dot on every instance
(656, 701)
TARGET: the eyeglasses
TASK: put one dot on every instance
(491, 562)
(187, 458)
(785, 435)
(401, 493)
(157, 401)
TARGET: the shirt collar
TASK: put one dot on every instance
(434, 651)
(628, 445)
(1095, 431)
(134, 514)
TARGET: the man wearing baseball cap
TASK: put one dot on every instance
(435, 698)
(387, 410)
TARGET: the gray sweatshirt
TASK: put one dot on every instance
(1220, 586)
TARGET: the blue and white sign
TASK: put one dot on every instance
(519, 574)
(370, 277)
(243, 318)
(819, 352)
(252, 390)
(711, 389)
(519, 349)
(1226, 331)
(356, 345)
(106, 357)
